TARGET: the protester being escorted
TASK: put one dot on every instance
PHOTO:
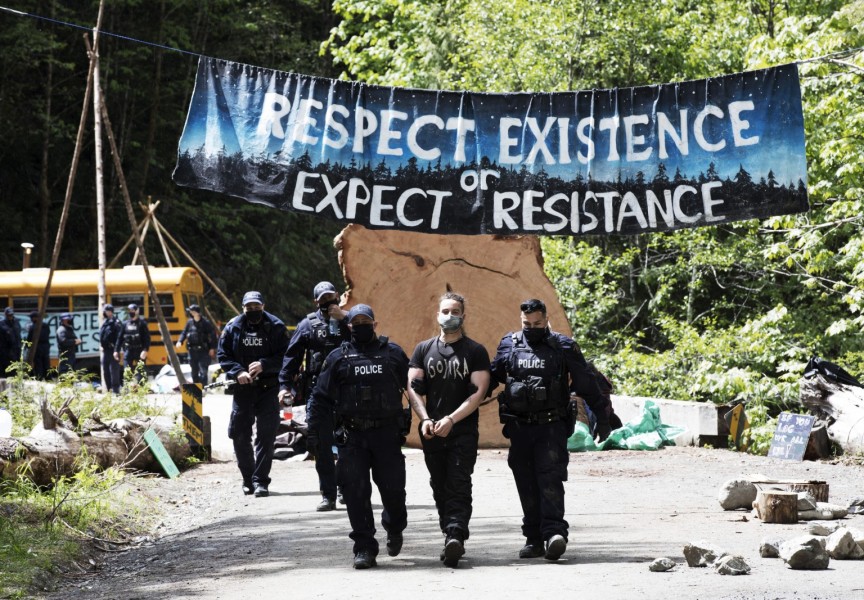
(540, 370)
(10, 340)
(134, 341)
(109, 331)
(316, 336)
(200, 337)
(448, 377)
(250, 352)
(42, 355)
(67, 344)
(362, 381)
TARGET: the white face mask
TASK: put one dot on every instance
(449, 323)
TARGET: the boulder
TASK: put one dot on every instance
(731, 565)
(805, 553)
(661, 565)
(841, 545)
(737, 493)
(769, 547)
(701, 554)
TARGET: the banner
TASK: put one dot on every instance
(596, 162)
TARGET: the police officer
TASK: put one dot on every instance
(108, 332)
(540, 369)
(363, 382)
(10, 346)
(316, 336)
(200, 337)
(250, 352)
(134, 340)
(67, 344)
(449, 376)
(42, 356)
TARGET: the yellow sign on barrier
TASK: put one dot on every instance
(193, 413)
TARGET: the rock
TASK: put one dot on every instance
(661, 565)
(701, 554)
(737, 493)
(770, 547)
(842, 546)
(816, 515)
(858, 536)
(822, 527)
(732, 565)
(805, 553)
(838, 511)
(806, 501)
(856, 506)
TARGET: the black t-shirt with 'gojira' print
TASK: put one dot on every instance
(447, 370)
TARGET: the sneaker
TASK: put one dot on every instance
(261, 491)
(555, 547)
(364, 560)
(326, 505)
(394, 544)
(532, 550)
(453, 551)
(247, 488)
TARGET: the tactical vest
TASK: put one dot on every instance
(367, 386)
(321, 343)
(536, 381)
(253, 344)
(132, 335)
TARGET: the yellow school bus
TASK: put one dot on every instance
(77, 292)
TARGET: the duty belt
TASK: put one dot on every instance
(363, 423)
(541, 418)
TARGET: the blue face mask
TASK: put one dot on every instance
(449, 323)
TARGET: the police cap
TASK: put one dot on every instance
(250, 297)
(108, 307)
(66, 317)
(132, 306)
(195, 307)
(324, 287)
(360, 309)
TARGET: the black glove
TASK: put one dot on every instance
(312, 443)
(603, 430)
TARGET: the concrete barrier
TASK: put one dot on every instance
(703, 421)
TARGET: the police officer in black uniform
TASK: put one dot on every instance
(10, 346)
(540, 369)
(250, 352)
(200, 337)
(134, 340)
(108, 333)
(316, 336)
(363, 381)
(42, 356)
(67, 344)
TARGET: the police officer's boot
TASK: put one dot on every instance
(325, 505)
(394, 544)
(555, 547)
(532, 549)
(364, 560)
(454, 549)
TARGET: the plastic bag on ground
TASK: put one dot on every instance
(645, 433)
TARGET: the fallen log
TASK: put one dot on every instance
(841, 406)
(53, 451)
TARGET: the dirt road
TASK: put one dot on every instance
(624, 509)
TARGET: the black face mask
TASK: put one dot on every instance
(254, 316)
(323, 307)
(362, 333)
(535, 334)
(132, 314)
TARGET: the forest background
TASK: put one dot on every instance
(721, 314)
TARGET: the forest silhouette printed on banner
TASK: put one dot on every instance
(598, 162)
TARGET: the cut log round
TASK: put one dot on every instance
(841, 406)
(777, 507)
(817, 489)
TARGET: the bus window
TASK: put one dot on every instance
(191, 299)
(58, 303)
(121, 301)
(84, 303)
(166, 301)
(25, 305)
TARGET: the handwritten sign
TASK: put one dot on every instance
(791, 436)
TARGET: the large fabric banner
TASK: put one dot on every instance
(596, 162)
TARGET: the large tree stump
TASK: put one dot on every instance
(841, 406)
(401, 275)
(774, 506)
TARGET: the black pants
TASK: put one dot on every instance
(111, 372)
(199, 360)
(451, 461)
(538, 458)
(41, 364)
(325, 466)
(379, 451)
(254, 404)
(131, 358)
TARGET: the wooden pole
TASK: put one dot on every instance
(64, 215)
(130, 214)
(100, 198)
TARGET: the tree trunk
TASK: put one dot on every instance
(52, 453)
(841, 406)
(777, 507)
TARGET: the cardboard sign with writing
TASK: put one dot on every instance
(791, 436)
